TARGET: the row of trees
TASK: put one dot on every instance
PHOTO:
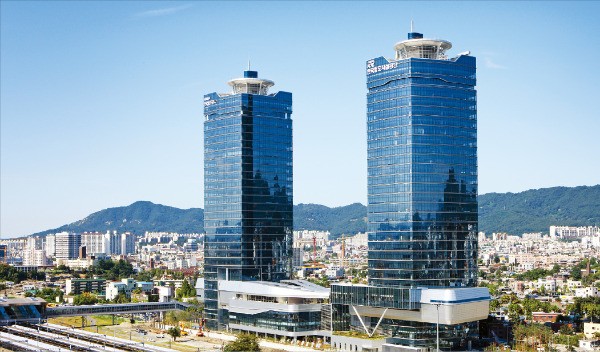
(48, 294)
(589, 306)
(531, 337)
(538, 273)
(518, 307)
(10, 273)
(110, 270)
(498, 272)
(589, 279)
(192, 314)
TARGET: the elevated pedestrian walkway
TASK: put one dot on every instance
(126, 308)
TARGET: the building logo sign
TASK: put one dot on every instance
(371, 68)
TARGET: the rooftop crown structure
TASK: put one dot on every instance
(251, 84)
(418, 47)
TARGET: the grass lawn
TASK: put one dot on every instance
(89, 320)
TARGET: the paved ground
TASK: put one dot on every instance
(213, 341)
(265, 344)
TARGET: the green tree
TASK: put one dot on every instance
(493, 288)
(514, 313)
(322, 281)
(186, 290)
(49, 294)
(494, 305)
(590, 306)
(121, 298)
(174, 332)
(555, 269)
(566, 330)
(85, 298)
(170, 318)
(531, 337)
(195, 310)
(243, 342)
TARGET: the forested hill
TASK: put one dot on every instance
(515, 213)
(143, 216)
(138, 218)
(537, 209)
(349, 219)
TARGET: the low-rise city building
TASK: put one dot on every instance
(78, 286)
(591, 330)
(126, 286)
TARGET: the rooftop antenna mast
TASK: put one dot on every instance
(248, 64)
(411, 26)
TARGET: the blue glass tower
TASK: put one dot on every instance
(422, 178)
(247, 187)
(422, 166)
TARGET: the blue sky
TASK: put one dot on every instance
(101, 102)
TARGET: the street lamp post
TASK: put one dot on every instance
(437, 327)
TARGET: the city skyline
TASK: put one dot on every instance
(101, 110)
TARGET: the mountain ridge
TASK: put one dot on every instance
(516, 213)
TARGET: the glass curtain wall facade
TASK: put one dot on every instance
(422, 176)
(422, 172)
(247, 187)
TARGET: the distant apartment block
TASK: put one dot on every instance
(78, 286)
(532, 236)
(297, 257)
(95, 243)
(79, 263)
(571, 232)
(358, 240)
(67, 245)
(306, 238)
(3, 253)
(35, 257)
(127, 243)
(500, 236)
(50, 246)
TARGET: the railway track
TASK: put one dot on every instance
(94, 339)
(31, 334)
(14, 343)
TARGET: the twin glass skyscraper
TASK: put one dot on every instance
(422, 166)
(422, 186)
(247, 187)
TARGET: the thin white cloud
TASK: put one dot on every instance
(162, 12)
(491, 64)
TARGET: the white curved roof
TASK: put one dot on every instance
(422, 48)
(251, 85)
(407, 44)
(291, 288)
(260, 81)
